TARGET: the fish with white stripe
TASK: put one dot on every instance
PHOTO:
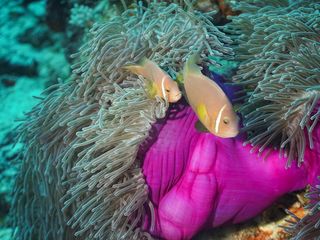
(210, 103)
(159, 83)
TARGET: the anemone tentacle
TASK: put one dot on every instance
(80, 176)
(277, 44)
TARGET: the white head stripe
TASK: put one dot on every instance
(163, 90)
(219, 118)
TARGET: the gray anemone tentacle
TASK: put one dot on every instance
(80, 177)
(277, 44)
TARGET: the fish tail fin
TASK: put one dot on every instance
(191, 66)
(137, 69)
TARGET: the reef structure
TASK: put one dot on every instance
(80, 177)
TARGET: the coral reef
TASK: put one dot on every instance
(277, 44)
(26, 43)
(83, 14)
(81, 141)
(24, 47)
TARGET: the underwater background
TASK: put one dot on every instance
(37, 38)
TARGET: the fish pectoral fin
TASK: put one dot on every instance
(202, 113)
(200, 127)
(203, 116)
(151, 88)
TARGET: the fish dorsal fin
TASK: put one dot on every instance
(191, 66)
(143, 61)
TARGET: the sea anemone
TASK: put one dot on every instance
(80, 176)
(277, 44)
(307, 227)
(198, 180)
(103, 160)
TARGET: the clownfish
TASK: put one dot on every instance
(159, 82)
(209, 102)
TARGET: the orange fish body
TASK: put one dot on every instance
(161, 83)
(209, 102)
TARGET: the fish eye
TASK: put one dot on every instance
(167, 90)
(226, 121)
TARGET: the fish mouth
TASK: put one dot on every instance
(176, 98)
(228, 135)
